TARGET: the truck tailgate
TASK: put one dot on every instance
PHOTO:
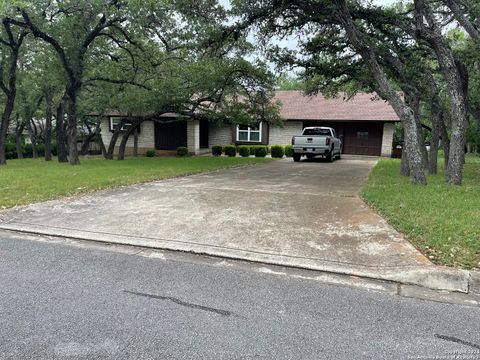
(309, 141)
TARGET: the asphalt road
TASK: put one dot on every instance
(66, 302)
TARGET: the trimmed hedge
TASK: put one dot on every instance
(277, 151)
(261, 151)
(217, 150)
(182, 151)
(230, 150)
(150, 153)
(288, 151)
(244, 150)
(253, 148)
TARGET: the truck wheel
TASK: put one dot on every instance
(330, 156)
(296, 157)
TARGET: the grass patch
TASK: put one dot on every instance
(441, 221)
(27, 181)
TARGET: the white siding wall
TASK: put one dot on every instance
(193, 136)
(387, 140)
(146, 138)
(219, 134)
(283, 135)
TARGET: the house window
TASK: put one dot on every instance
(115, 121)
(247, 133)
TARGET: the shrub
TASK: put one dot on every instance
(10, 150)
(27, 150)
(217, 150)
(150, 153)
(277, 151)
(182, 151)
(244, 150)
(288, 151)
(41, 149)
(230, 150)
(261, 151)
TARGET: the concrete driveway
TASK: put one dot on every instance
(305, 214)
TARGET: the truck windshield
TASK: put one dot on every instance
(317, 132)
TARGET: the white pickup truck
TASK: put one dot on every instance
(317, 141)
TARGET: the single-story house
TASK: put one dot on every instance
(364, 123)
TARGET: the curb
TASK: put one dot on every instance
(429, 276)
(474, 283)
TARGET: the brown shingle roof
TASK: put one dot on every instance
(362, 107)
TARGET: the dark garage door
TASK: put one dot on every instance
(363, 139)
(358, 138)
(171, 135)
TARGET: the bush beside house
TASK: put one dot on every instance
(217, 150)
(244, 150)
(277, 151)
(261, 151)
(182, 151)
(288, 151)
(230, 150)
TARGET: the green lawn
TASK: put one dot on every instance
(441, 221)
(28, 181)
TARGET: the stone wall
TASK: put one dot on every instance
(219, 134)
(146, 138)
(283, 135)
(387, 140)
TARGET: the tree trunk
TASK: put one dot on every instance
(387, 91)
(7, 112)
(33, 138)
(456, 84)
(48, 125)
(123, 144)
(61, 134)
(135, 142)
(86, 143)
(404, 167)
(414, 103)
(437, 119)
(113, 142)
(72, 129)
(100, 143)
(18, 139)
(445, 142)
(9, 91)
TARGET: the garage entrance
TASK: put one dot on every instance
(358, 138)
(170, 135)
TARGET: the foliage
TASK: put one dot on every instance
(440, 220)
(261, 151)
(277, 151)
(253, 148)
(230, 150)
(217, 150)
(287, 82)
(150, 153)
(33, 180)
(244, 150)
(288, 151)
(182, 151)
